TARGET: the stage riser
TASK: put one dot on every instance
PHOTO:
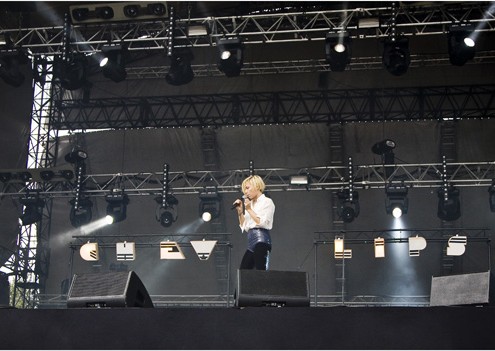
(250, 328)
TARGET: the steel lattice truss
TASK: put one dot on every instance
(412, 19)
(353, 105)
(473, 174)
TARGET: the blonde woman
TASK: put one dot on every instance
(255, 214)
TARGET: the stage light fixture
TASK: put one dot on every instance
(25, 176)
(157, 9)
(209, 205)
(348, 206)
(47, 175)
(180, 71)
(82, 214)
(449, 205)
(385, 149)
(104, 12)
(131, 11)
(461, 45)
(491, 196)
(230, 56)
(72, 71)
(114, 61)
(338, 50)
(379, 247)
(299, 180)
(117, 202)
(396, 202)
(166, 213)
(76, 156)
(396, 57)
(33, 208)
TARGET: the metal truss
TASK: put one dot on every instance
(286, 25)
(318, 106)
(303, 66)
(30, 263)
(426, 175)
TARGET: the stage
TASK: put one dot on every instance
(466, 327)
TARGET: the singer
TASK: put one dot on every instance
(255, 214)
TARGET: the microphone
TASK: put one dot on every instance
(236, 205)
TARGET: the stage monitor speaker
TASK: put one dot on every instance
(110, 289)
(271, 288)
(462, 289)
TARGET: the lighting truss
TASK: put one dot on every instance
(412, 20)
(420, 175)
(318, 106)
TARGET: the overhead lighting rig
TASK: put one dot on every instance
(125, 11)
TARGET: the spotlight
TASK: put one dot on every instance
(33, 208)
(449, 206)
(299, 180)
(157, 9)
(348, 207)
(82, 214)
(491, 198)
(67, 174)
(166, 213)
(338, 50)
(117, 202)
(72, 71)
(460, 44)
(396, 57)
(25, 176)
(209, 206)
(47, 175)
(113, 64)
(104, 12)
(76, 156)
(396, 202)
(80, 14)
(9, 68)
(131, 11)
(230, 56)
(180, 68)
(384, 149)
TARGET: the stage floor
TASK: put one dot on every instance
(463, 327)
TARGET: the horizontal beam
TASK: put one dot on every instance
(427, 175)
(317, 106)
(412, 19)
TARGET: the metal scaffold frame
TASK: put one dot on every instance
(342, 106)
(420, 175)
(31, 259)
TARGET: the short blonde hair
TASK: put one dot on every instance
(254, 180)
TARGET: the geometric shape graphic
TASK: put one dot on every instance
(203, 248)
(108, 289)
(457, 245)
(126, 251)
(169, 250)
(461, 289)
(379, 247)
(259, 288)
(89, 252)
(416, 244)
